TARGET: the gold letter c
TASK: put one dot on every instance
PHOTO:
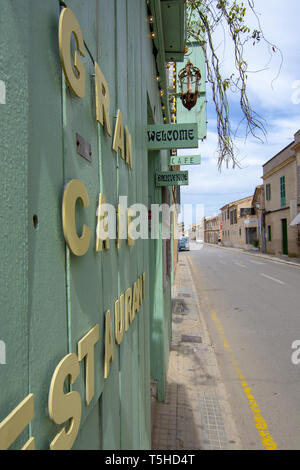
(75, 189)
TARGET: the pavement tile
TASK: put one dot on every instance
(190, 418)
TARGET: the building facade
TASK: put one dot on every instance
(281, 187)
(200, 231)
(212, 229)
(239, 223)
(85, 319)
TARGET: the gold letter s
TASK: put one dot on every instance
(63, 407)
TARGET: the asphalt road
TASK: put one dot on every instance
(252, 310)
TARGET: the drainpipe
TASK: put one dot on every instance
(264, 248)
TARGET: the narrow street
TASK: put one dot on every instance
(251, 308)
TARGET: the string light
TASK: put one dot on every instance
(157, 78)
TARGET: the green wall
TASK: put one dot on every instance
(50, 298)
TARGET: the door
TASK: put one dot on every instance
(284, 237)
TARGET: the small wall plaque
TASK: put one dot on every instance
(84, 149)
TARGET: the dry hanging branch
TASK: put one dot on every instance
(204, 16)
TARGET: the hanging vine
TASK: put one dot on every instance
(204, 16)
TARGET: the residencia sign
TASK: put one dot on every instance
(172, 178)
(172, 136)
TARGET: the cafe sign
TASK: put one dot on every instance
(172, 178)
(172, 136)
(185, 160)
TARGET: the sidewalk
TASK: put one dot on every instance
(196, 413)
(277, 258)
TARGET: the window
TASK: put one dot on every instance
(233, 217)
(268, 192)
(269, 233)
(247, 211)
(282, 191)
(240, 231)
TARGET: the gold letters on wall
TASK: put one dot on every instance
(16, 422)
(67, 406)
(102, 234)
(109, 345)
(119, 143)
(86, 349)
(128, 147)
(69, 25)
(102, 99)
(64, 407)
(119, 319)
(73, 191)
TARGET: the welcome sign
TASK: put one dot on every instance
(172, 136)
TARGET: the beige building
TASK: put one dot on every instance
(192, 232)
(212, 226)
(200, 231)
(240, 223)
(281, 177)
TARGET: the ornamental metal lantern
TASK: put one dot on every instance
(189, 78)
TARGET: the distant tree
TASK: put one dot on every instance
(203, 18)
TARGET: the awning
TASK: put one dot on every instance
(296, 220)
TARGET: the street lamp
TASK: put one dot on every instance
(189, 78)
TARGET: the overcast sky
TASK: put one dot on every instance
(278, 102)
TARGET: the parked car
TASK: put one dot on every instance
(184, 244)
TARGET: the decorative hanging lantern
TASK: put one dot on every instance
(189, 78)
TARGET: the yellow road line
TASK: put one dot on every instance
(260, 422)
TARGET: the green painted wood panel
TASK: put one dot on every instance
(89, 436)
(84, 274)
(48, 326)
(128, 67)
(57, 297)
(110, 401)
(144, 326)
(14, 31)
